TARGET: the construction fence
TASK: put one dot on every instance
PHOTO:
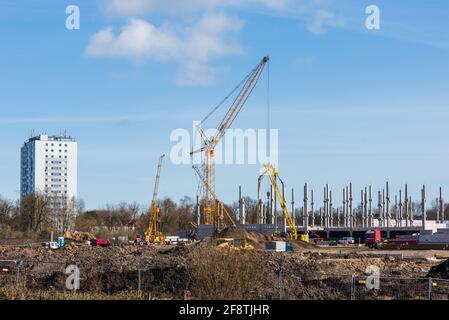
(76, 278)
(399, 288)
(61, 277)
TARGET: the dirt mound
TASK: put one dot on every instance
(301, 245)
(78, 236)
(108, 270)
(440, 271)
(199, 270)
(258, 240)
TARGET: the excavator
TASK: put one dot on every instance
(273, 173)
(236, 244)
(153, 234)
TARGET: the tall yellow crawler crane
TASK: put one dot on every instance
(273, 173)
(209, 143)
(153, 235)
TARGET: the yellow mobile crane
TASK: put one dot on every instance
(273, 173)
(153, 235)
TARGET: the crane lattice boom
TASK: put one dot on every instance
(153, 235)
(208, 177)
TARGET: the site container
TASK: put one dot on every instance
(277, 246)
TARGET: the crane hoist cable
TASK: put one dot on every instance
(228, 96)
(268, 139)
(268, 102)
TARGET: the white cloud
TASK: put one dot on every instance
(138, 39)
(196, 32)
(139, 7)
(191, 46)
(317, 15)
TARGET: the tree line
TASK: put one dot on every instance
(38, 214)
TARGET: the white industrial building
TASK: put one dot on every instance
(49, 166)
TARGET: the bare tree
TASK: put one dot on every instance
(6, 210)
(134, 210)
(35, 212)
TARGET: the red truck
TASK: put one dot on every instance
(100, 242)
(316, 238)
(404, 240)
(373, 238)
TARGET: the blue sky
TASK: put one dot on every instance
(350, 104)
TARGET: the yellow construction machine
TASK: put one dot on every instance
(273, 173)
(153, 234)
(236, 244)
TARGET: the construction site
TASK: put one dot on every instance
(375, 244)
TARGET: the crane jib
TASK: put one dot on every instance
(239, 101)
(207, 177)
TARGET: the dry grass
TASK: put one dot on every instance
(10, 289)
(14, 293)
(220, 273)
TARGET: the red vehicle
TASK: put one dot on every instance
(316, 238)
(100, 242)
(404, 239)
(373, 238)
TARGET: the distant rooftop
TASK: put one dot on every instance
(45, 137)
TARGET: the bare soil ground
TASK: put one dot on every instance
(440, 271)
(202, 271)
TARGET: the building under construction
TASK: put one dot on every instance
(351, 215)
